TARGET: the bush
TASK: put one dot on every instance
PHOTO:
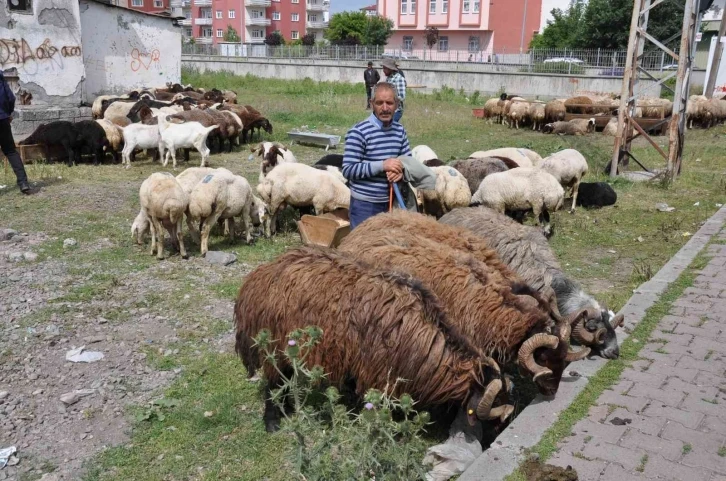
(556, 67)
(381, 442)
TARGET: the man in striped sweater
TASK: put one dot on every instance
(370, 161)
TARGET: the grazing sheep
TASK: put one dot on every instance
(183, 136)
(555, 110)
(260, 216)
(92, 139)
(201, 116)
(138, 136)
(502, 318)
(653, 108)
(301, 185)
(272, 153)
(226, 128)
(596, 194)
(164, 202)
(220, 195)
(377, 326)
(579, 105)
(55, 135)
(570, 128)
(97, 108)
(494, 110)
(568, 167)
(115, 136)
(116, 107)
(190, 177)
(525, 250)
(521, 190)
(475, 170)
(518, 112)
(422, 153)
(537, 115)
(452, 191)
(522, 157)
(140, 227)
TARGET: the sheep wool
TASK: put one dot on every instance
(568, 167)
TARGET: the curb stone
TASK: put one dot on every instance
(508, 451)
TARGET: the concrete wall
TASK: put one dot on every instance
(432, 75)
(43, 47)
(124, 49)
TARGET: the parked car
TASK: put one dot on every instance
(613, 72)
(673, 66)
(564, 60)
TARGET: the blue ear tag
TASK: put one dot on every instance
(207, 179)
(452, 172)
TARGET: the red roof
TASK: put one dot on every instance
(370, 7)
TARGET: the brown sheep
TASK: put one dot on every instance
(579, 105)
(525, 250)
(115, 137)
(378, 326)
(505, 319)
(119, 120)
(555, 110)
(225, 129)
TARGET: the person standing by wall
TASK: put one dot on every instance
(7, 142)
(371, 77)
(398, 81)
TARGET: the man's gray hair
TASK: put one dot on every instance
(381, 86)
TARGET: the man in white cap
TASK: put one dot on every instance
(394, 77)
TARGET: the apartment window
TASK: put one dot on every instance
(189, 32)
(134, 3)
(158, 3)
(218, 14)
(476, 6)
(278, 1)
(206, 13)
(404, 7)
(276, 15)
(258, 14)
(294, 34)
(220, 33)
(408, 43)
(473, 44)
(21, 6)
(312, 18)
(413, 7)
(467, 5)
(295, 17)
(295, 1)
(432, 6)
(258, 34)
(445, 6)
(443, 44)
(231, 14)
(207, 32)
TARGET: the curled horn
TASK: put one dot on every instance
(488, 361)
(279, 145)
(485, 404)
(549, 295)
(502, 412)
(576, 356)
(526, 353)
(617, 321)
(579, 331)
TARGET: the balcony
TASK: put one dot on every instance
(256, 40)
(203, 21)
(317, 7)
(175, 3)
(187, 22)
(260, 21)
(204, 40)
(258, 3)
(316, 25)
(203, 3)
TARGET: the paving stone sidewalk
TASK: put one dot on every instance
(666, 418)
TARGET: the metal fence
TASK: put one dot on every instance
(597, 62)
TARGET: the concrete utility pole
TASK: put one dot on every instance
(716, 62)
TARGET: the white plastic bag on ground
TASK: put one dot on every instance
(456, 453)
(79, 355)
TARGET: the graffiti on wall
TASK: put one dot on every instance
(19, 52)
(145, 61)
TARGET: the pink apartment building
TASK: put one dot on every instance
(207, 21)
(475, 26)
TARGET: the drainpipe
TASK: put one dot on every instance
(524, 21)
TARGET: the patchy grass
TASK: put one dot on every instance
(96, 206)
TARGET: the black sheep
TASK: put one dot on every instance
(596, 194)
(133, 114)
(336, 160)
(434, 163)
(92, 139)
(55, 135)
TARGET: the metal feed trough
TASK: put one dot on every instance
(314, 138)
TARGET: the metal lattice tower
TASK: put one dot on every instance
(628, 128)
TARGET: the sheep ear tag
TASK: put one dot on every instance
(207, 179)
(471, 411)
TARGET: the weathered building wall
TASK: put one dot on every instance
(43, 46)
(124, 49)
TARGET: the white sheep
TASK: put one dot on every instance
(522, 189)
(301, 185)
(452, 191)
(97, 105)
(522, 157)
(568, 167)
(138, 136)
(220, 195)
(164, 202)
(272, 153)
(119, 108)
(518, 112)
(537, 115)
(260, 215)
(422, 153)
(573, 127)
(182, 136)
(140, 226)
(188, 179)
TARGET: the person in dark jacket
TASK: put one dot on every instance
(7, 143)
(371, 77)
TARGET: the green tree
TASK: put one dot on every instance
(308, 39)
(431, 36)
(231, 35)
(562, 31)
(275, 39)
(378, 30)
(347, 28)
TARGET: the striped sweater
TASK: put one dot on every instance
(367, 145)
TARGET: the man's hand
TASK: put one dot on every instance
(393, 177)
(393, 165)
